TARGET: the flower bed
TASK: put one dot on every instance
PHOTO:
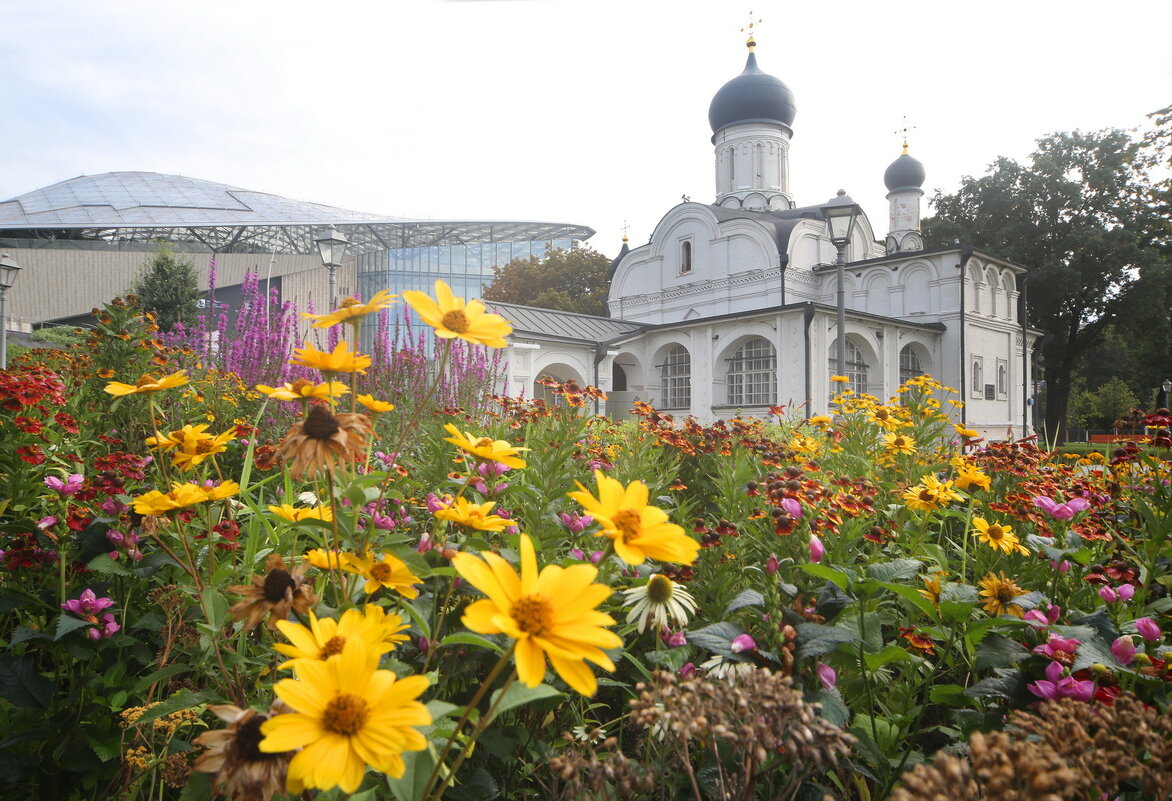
(329, 585)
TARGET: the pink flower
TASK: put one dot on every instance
(1059, 510)
(48, 521)
(817, 549)
(1036, 619)
(771, 564)
(1048, 689)
(687, 670)
(87, 604)
(1126, 592)
(1148, 629)
(1123, 649)
(675, 639)
(1063, 568)
(109, 625)
(575, 522)
(1107, 594)
(743, 642)
(826, 675)
(68, 487)
(1056, 645)
(792, 508)
(435, 503)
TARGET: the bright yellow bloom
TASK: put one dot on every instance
(225, 489)
(349, 715)
(390, 572)
(885, 417)
(303, 390)
(800, 443)
(966, 433)
(999, 593)
(147, 383)
(451, 317)
(296, 514)
(997, 536)
(549, 614)
(840, 379)
(899, 443)
(180, 496)
(325, 637)
(969, 475)
(821, 421)
(374, 405)
(488, 450)
(154, 503)
(473, 515)
(193, 446)
(352, 310)
(637, 530)
(930, 494)
(340, 360)
(188, 494)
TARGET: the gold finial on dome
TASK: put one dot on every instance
(626, 228)
(751, 42)
(903, 131)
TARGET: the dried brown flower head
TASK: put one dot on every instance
(601, 773)
(274, 594)
(243, 771)
(323, 440)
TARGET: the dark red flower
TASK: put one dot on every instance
(66, 421)
(31, 454)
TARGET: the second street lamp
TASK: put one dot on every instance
(332, 246)
(840, 213)
(8, 271)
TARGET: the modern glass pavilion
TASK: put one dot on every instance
(130, 211)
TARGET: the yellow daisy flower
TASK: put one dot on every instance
(899, 443)
(154, 503)
(340, 360)
(969, 476)
(800, 443)
(999, 592)
(373, 405)
(549, 614)
(484, 448)
(225, 489)
(146, 384)
(295, 514)
(637, 530)
(390, 572)
(840, 379)
(351, 310)
(190, 452)
(451, 317)
(473, 515)
(319, 557)
(821, 421)
(349, 715)
(885, 417)
(325, 637)
(966, 433)
(930, 494)
(303, 390)
(997, 536)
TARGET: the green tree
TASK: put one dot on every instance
(168, 287)
(574, 280)
(1081, 217)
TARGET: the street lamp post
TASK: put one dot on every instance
(1162, 399)
(332, 246)
(8, 271)
(840, 213)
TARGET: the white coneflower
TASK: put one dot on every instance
(660, 601)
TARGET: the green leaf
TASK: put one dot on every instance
(814, 639)
(833, 709)
(465, 638)
(892, 653)
(215, 606)
(895, 570)
(440, 709)
(518, 694)
(410, 786)
(716, 638)
(997, 651)
(745, 598)
(417, 618)
(956, 611)
(159, 675)
(949, 695)
(67, 624)
(837, 577)
(21, 684)
(912, 595)
(102, 563)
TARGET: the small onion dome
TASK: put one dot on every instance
(752, 96)
(904, 173)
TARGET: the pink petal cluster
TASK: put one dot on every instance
(1148, 629)
(68, 487)
(87, 604)
(1125, 592)
(792, 508)
(1061, 510)
(1123, 649)
(817, 549)
(575, 522)
(743, 642)
(826, 675)
(1057, 685)
(1040, 621)
(1056, 645)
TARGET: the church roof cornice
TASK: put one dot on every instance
(903, 257)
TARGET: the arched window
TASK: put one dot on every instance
(675, 379)
(856, 370)
(909, 364)
(685, 256)
(978, 377)
(1002, 379)
(752, 374)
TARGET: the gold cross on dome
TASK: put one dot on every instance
(752, 41)
(903, 131)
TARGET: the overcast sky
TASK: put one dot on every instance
(584, 111)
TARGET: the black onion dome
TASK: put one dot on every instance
(752, 96)
(904, 173)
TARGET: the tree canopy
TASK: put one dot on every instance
(168, 287)
(574, 280)
(1081, 216)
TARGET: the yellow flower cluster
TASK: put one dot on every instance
(182, 496)
(191, 445)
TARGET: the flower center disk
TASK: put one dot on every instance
(277, 583)
(659, 589)
(332, 647)
(533, 614)
(627, 521)
(380, 571)
(320, 424)
(346, 714)
(456, 320)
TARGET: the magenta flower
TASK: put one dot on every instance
(1041, 621)
(1059, 510)
(575, 522)
(743, 642)
(1056, 645)
(48, 521)
(1123, 649)
(792, 508)
(87, 604)
(826, 675)
(772, 565)
(1148, 629)
(68, 487)
(1108, 594)
(1047, 689)
(687, 671)
(1079, 690)
(817, 549)
(675, 639)
(1126, 592)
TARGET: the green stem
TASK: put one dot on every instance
(476, 732)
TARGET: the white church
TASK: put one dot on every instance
(732, 307)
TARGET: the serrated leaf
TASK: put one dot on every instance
(716, 638)
(102, 563)
(67, 624)
(814, 639)
(956, 611)
(892, 653)
(518, 694)
(833, 709)
(949, 695)
(1007, 684)
(998, 651)
(21, 685)
(216, 606)
(184, 699)
(895, 570)
(912, 595)
(410, 786)
(745, 598)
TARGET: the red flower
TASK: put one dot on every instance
(29, 425)
(921, 642)
(31, 454)
(66, 421)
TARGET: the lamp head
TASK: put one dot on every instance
(8, 270)
(332, 246)
(840, 213)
